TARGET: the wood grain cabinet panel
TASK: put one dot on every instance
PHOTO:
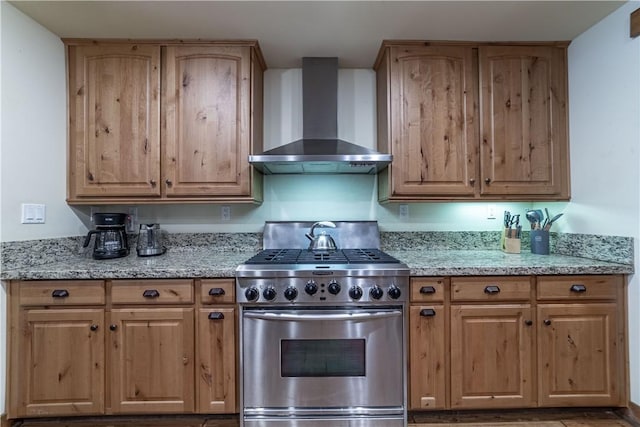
(60, 363)
(114, 113)
(523, 102)
(216, 366)
(492, 356)
(579, 355)
(151, 354)
(429, 94)
(427, 357)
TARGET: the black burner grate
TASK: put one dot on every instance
(344, 256)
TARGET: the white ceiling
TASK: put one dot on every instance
(350, 30)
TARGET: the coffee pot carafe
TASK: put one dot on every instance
(150, 240)
(110, 236)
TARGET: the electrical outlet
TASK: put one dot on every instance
(132, 220)
(404, 211)
(492, 211)
(226, 213)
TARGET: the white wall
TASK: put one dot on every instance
(604, 109)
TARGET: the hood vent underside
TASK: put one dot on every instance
(320, 150)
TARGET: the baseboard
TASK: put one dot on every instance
(631, 414)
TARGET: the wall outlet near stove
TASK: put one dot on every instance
(404, 211)
(225, 213)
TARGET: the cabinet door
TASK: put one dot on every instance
(579, 355)
(206, 133)
(433, 121)
(151, 359)
(491, 356)
(216, 374)
(114, 113)
(524, 120)
(61, 364)
(427, 357)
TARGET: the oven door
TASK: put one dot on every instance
(334, 361)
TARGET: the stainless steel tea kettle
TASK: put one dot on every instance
(322, 242)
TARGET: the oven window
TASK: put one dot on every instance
(322, 358)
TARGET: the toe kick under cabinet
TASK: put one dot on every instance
(517, 342)
(121, 347)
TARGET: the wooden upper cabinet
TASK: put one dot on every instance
(524, 120)
(472, 121)
(114, 116)
(430, 93)
(206, 120)
(164, 121)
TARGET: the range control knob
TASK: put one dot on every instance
(376, 292)
(269, 293)
(290, 293)
(334, 288)
(394, 292)
(311, 288)
(355, 292)
(252, 294)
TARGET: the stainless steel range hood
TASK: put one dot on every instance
(320, 150)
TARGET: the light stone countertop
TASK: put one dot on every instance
(201, 262)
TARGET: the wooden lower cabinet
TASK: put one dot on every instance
(60, 362)
(427, 355)
(518, 342)
(116, 347)
(151, 353)
(216, 356)
(492, 356)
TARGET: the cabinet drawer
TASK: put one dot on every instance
(57, 292)
(490, 288)
(216, 291)
(427, 289)
(578, 287)
(152, 292)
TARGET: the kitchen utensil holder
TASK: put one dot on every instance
(540, 242)
(510, 245)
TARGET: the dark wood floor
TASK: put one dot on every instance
(515, 418)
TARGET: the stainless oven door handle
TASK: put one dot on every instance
(323, 316)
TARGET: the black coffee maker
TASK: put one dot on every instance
(111, 236)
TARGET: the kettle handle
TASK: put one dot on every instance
(329, 224)
(88, 238)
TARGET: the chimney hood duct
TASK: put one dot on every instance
(320, 150)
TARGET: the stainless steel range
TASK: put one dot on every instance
(322, 332)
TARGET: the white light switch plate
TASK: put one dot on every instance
(33, 213)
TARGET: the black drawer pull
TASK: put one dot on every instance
(216, 315)
(113, 327)
(547, 322)
(427, 312)
(216, 292)
(60, 293)
(93, 327)
(578, 288)
(492, 289)
(427, 290)
(528, 322)
(151, 293)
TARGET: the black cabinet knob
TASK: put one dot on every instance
(113, 327)
(547, 322)
(528, 322)
(93, 327)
